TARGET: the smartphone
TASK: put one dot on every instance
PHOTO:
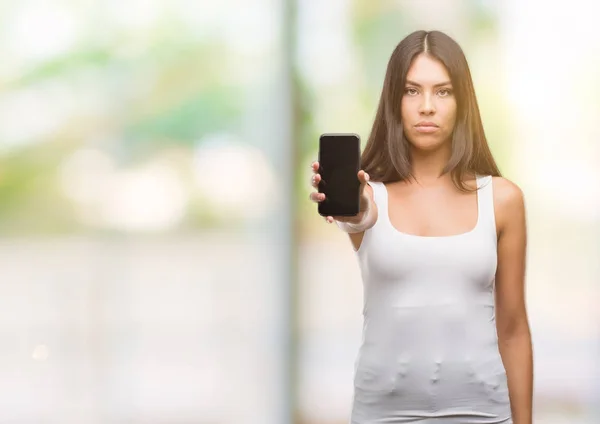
(339, 163)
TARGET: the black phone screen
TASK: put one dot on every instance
(339, 163)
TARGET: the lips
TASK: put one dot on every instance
(426, 127)
(426, 124)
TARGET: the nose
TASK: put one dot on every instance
(427, 106)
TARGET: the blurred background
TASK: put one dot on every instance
(160, 261)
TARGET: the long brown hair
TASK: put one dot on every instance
(386, 156)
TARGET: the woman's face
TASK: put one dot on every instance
(428, 104)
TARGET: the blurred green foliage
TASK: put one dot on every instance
(172, 90)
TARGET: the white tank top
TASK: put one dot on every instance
(430, 352)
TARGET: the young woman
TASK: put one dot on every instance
(441, 241)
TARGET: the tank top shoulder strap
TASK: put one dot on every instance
(379, 194)
(485, 201)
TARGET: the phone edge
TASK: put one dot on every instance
(359, 164)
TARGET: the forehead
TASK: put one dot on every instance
(426, 70)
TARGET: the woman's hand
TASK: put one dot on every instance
(365, 199)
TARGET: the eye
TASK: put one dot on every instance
(410, 91)
(444, 92)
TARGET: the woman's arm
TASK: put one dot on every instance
(369, 220)
(514, 337)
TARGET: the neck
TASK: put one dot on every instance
(428, 165)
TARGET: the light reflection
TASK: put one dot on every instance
(233, 177)
(40, 353)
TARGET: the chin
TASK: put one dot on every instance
(427, 143)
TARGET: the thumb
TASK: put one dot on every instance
(363, 178)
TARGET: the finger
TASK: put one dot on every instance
(317, 197)
(315, 180)
(315, 166)
(329, 219)
(363, 177)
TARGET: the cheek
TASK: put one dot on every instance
(403, 109)
(451, 115)
(406, 111)
(451, 120)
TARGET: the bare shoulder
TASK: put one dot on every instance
(509, 202)
(506, 192)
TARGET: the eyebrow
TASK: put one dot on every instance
(416, 84)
